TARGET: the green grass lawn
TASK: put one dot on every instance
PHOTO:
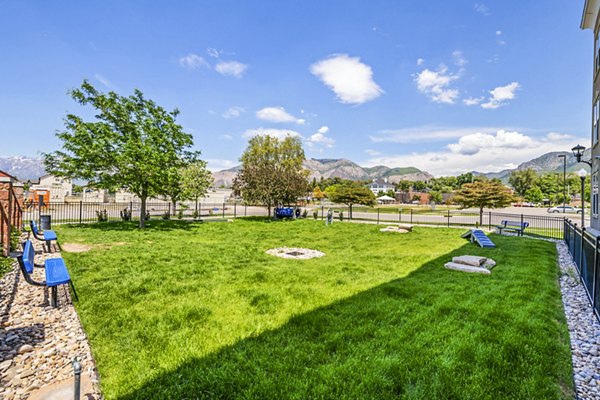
(184, 310)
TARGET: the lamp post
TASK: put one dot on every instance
(564, 157)
(582, 174)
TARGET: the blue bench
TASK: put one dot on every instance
(284, 212)
(515, 226)
(55, 268)
(47, 236)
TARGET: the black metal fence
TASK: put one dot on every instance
(80, 212)
(585, 247)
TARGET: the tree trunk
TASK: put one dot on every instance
(269, 210)
(143, 212)
(480, 216)
(196, 205)
(350, 211)
(174, 202)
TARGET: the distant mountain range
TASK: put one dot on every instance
(26, 168)
(340, 168)
(549, 162)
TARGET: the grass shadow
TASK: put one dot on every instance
(128, 226)
(434, 334)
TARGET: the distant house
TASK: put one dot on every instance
(381, 186)
(52, 188)
(95, 195)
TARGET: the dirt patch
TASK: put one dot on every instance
(76, 247)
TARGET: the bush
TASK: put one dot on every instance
(102, 216)
(15, 236)
(126, 214)
(304, 213)
(195, 214)
(166, 215)
(341, 216)
(315, 214)
(5, 265)
(147, 215)
(180, 214)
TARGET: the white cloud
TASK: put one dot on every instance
(482, 9)
(320, 138)
(472, 101)
(231, 68)
(276, 133)
(420, 61)
(193, 61)
(349, 78)
(435, 84)
(501, 95)
(277, 114)
(557, 137)
(104, 81)
(459, 59)
(487, 159)
(372, 152)
(494, 60)
(498, 33)
(474, 143)
(427, 133)
(214, 53)
(215, 164)
(226, 137)
(233, 112)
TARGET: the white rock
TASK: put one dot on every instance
(466, 268)
(474, 261)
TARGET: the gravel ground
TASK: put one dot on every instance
(584, 328)
(38, 342)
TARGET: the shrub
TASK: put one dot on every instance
(341, 215)
(102, 216)
(147, 215)
(126, 214)
(195, 214)
(315, 214)
(5, 264)
(304, 213)
(180, 214)
(166, 215)
(15, 235)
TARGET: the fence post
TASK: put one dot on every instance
(234, 208)
(595, 270)
(80, 211)
(76, 379)
(169, 209)
(377, 216)
(245, 210)
(581, 258)
(223, 210)
(448, 218)
(490, 220)
(322, 208)
(399, 215)
(411, 216)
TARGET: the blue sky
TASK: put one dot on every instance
(445, 86)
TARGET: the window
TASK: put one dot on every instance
(595, 120)
(596, 54)
(595, 195)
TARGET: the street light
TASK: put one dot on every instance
(564, 157)
(582, 174)
(578, 153)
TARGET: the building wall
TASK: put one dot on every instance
(11, 214)
(595, 122)
(59, 188)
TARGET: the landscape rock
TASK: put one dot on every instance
(474, 261)
(34, 336)
(466, 268)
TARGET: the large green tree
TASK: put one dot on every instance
(195, 181)
(483, 194)
(351, 193)
(522, 180)
(272, 172)
(131, 144)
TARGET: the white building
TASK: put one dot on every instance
(59, 188)
(381, 186)
(95, 195)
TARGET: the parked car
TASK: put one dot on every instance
(564, 209)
